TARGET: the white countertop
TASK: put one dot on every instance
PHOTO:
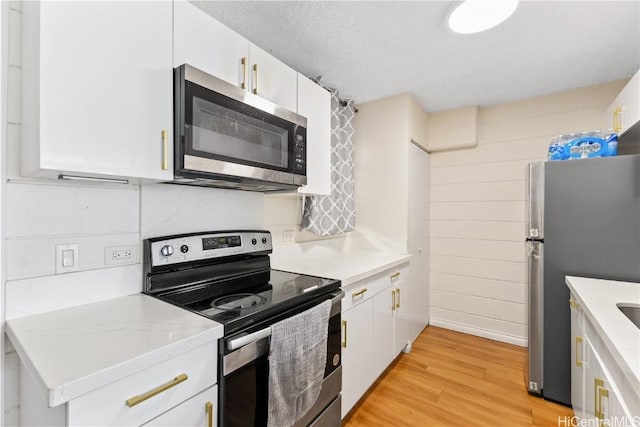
(79, 349)
(598, 299)
(348, 266)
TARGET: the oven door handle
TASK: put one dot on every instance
(266, 332)
(248, 339)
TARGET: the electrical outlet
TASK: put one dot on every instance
(287, 236)
(120, 254)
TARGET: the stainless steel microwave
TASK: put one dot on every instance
(227, 137)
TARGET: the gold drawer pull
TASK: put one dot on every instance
(255, 82)
(165, 150)
(395, 276)
(573, 303)
(398, 303)
(344, 326)
(617, 119)
(209, 408)
(598, 384)
(393, 300)
(133, 401)
(243, 85)
(578, 345)
(360, 292)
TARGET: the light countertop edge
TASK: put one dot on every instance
(60, 392)
(599, 298)
(349, 267)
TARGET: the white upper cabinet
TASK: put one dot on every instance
(201, 41)
(625, 109)
(272, 79)
(97, 89)
(314, 103)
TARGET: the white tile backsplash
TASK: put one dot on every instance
(47, 210)
(174, 209)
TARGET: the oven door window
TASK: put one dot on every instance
(225, 129)
(246, 395)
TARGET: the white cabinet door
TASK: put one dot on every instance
(97, 89)
(625, 109)
(199, 411)
(314, 103)
(403, 325)
(577, 361)
(201, 41)
(272, 79)
(357, 360)
(383, 354)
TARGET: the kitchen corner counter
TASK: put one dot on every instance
(73, 351)
(347, 266)
(598, 299)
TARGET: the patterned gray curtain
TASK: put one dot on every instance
(335, 214)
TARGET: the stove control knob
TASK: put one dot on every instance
(254, 241)
(166, 250)
(184, 249)
(264, 240)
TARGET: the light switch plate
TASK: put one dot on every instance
(71, 260)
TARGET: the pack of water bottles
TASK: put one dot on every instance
(584, 145)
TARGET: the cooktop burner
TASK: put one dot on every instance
(227, 277)
(237, 301)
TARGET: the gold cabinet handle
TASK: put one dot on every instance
(133, 401)
(398, 303)
(344, 327)
(360, 292)
(395, 276)
(602, 392)
(573, 303)
(255, 82)
(165, 150)
(617, 119)
(598, 384)
(393, 300)
(209, 408)
(578, 345)
(243, 85)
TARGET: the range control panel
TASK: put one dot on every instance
(174, 250)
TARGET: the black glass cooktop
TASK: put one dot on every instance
(240, 301)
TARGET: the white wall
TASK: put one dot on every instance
(478, 210)
(41, 214)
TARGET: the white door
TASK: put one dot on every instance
(418, 236)
(578, 344)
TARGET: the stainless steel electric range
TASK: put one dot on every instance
(226, 276)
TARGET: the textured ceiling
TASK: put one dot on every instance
(369, 50)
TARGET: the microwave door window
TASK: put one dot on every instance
(232, 135)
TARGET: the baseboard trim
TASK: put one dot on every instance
(471, 330)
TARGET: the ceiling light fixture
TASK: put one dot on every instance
(474, 16)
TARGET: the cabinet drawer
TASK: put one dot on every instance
(108, 405)
(367, 288)
(200, 410)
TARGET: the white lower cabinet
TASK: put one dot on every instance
(595, 396)
(357, 361)
(200, 410)
(375, 329)
(184, 382)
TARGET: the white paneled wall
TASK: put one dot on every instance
(478, 210)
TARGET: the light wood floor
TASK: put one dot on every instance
(451, 379)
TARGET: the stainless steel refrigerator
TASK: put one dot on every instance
(584, 220)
